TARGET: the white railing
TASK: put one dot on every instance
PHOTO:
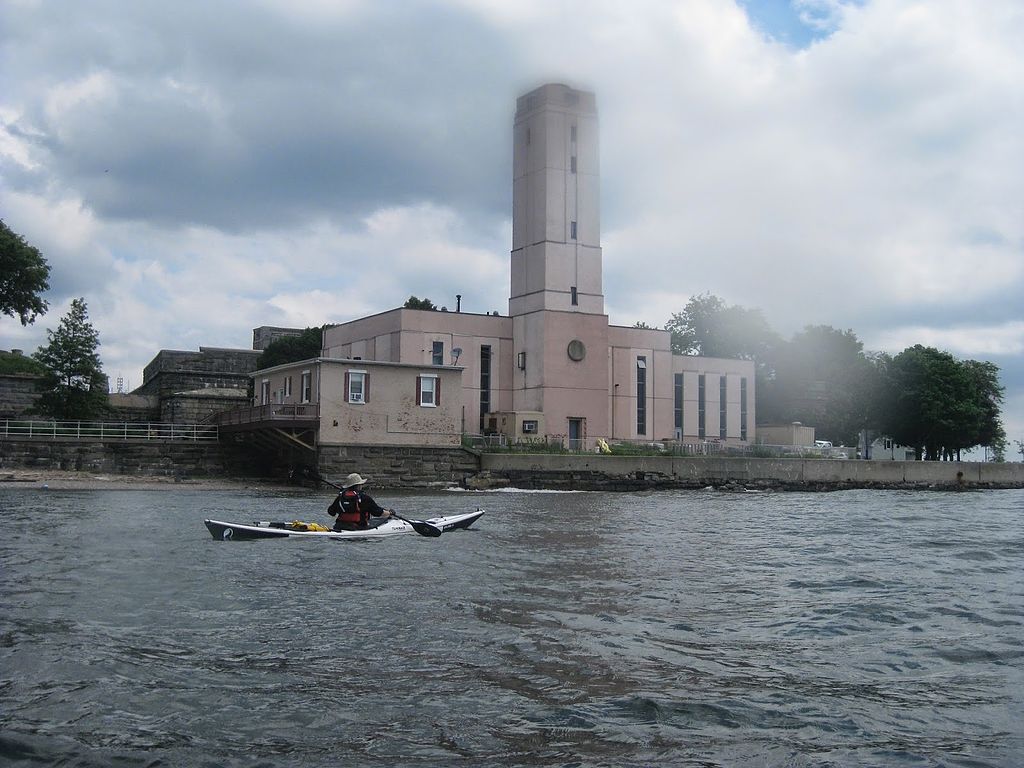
(107, 430)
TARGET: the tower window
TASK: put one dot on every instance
(572, 133)
(572, 164)
(574, 296)
(572, 230)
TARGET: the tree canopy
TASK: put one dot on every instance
(24, 275)
(413, 303)
(822, 377)
(708, 326)
(290, 349)
(940, 405)
(74, 387)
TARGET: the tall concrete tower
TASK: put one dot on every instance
(556, 203)
(559, 328)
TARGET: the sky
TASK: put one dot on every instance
(197, 169)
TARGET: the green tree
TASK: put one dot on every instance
(413, 303)
(941, 406)
(24, 275)
(708, 326)
(74, 387)
(290, 349)
(823, 378)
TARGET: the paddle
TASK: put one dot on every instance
(422, 527)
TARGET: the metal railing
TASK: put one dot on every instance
(269, 412)
(108, 430)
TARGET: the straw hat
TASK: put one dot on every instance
(353, 480)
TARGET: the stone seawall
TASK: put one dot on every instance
(163, 458)
(628, 473)
(400, 466)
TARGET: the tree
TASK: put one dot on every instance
(24, 275)
(708, 326)
(413, 303)
(290, 349)
(822, 378)
(74, 387)
(940, 405)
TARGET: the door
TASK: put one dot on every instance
(576, 434)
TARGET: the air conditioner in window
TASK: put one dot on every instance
(529, 426)
(356, 397)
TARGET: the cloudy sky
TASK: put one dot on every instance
(196, 169)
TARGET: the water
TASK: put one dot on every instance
(859, 628)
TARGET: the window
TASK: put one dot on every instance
(573, 296)
(678, 400)
(527, 135)
(701, 406)
(521, 361)
(428, 391)
(265, 392)
(743, 408)
(437, 353)
(529, 426)
(641, 395)
(307, 387)
(572, 230)
(572, 133)
(485, 382)
(287, 386)
(572, 164)
(722, 407)
(356, 386)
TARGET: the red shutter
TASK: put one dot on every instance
(366, 387)
(437, 391)
(419, 392)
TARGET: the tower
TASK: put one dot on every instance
(556, 207)
(559, 328)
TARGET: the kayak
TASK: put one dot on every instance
(263, 529)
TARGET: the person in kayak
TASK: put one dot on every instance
(352, 509)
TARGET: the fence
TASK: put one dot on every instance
(562, 444)
(108, 430)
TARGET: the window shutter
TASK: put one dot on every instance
(366, 387)
(348, 392)
(419, 392)
(437, 391)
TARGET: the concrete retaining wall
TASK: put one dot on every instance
(639, 472)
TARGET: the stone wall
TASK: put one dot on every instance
(400, 466)
(654, 472)
(180, 371)
(158, 457)
(17, 394)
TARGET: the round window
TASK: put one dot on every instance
(576, 350)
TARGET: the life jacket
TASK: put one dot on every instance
(349, 509)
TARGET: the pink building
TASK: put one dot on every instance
(554, 366)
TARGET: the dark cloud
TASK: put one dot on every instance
(273, 121)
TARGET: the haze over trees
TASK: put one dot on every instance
(73, 386)
(822, 377)
(24, 275)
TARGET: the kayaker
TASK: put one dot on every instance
(352, 508)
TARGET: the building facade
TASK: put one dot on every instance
(554, 367)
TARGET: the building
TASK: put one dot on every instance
(554, 367)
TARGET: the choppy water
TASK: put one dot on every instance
(845, 629)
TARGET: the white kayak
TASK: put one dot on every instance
(393, 526)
